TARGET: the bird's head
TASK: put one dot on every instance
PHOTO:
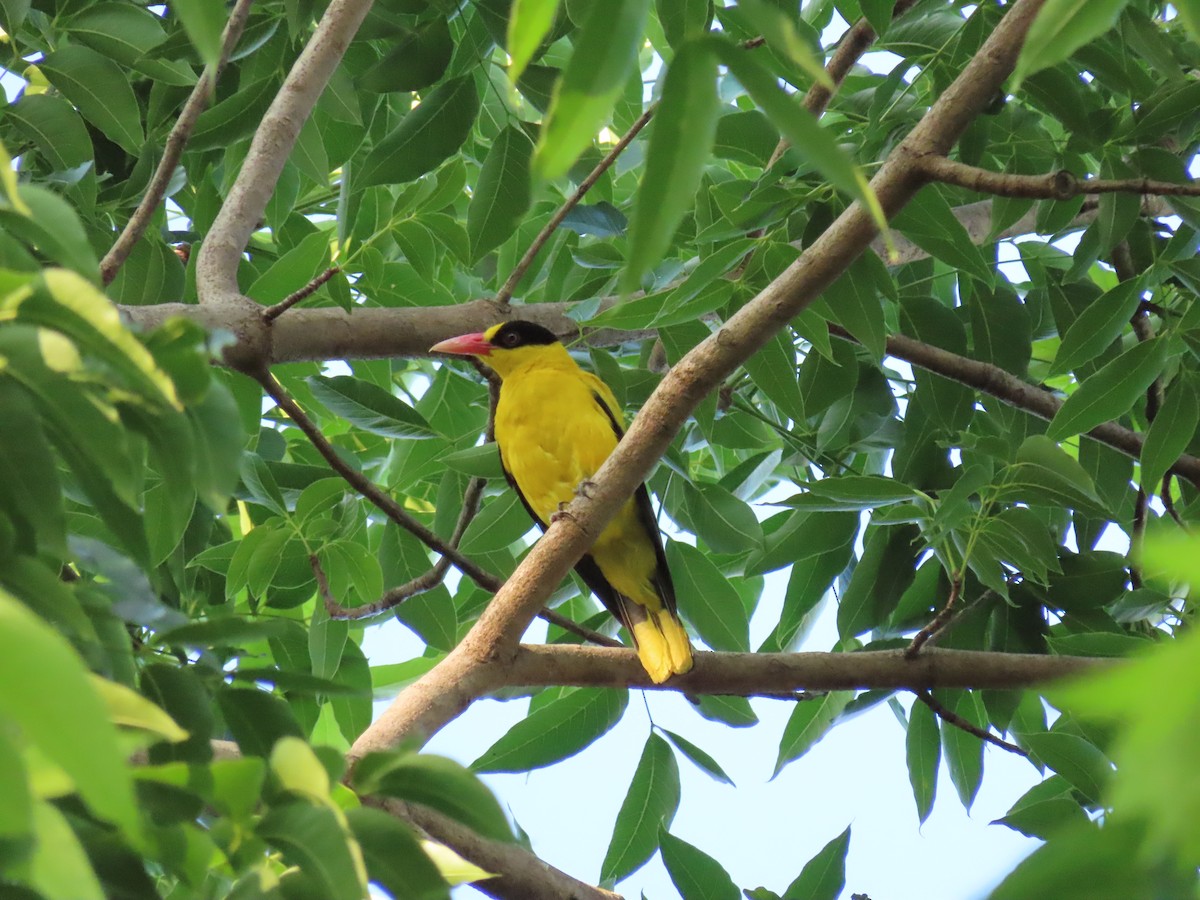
(503, 347)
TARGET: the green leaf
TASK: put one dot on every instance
(394, 857)
(854, 300)
(695, 874)
(963, 750)
(1087, 862)
(725, 523)
(555, 731)
(53, 124)
(65, 718)
(121, 32)
(369, 407)
(503, 192)
(50, 224)
(1061, 28)
(1098, 325)
(226, 632)
(707, 600)
(59, 865)
(683, 19)
(1044, 809)
(203, 20)
(416, 60)
(929, 222)
(823, 876)
(528, 24)
(698, 756)
(1110, 392)
(650, 804)
(1170, 433)
(29, 486)
(502, 521)
(130, 709)
(852, 492)
(312, 838)
(606, 49)
(783, 36)
(1075, 759)
(809, 722)
(815, 144)
(680, 146)
(923, 747)
(256, 719)
(436, 782)
(16, 798)
(100, 90)
(734, 711)
(425, 138)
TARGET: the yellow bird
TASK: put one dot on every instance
(555, 425)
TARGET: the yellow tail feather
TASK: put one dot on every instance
(662, 646)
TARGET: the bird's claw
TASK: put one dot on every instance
(561, 513)
(584, 488)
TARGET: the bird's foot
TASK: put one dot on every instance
(584, 489)
(561, 513)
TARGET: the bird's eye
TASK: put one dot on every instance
(511, 339)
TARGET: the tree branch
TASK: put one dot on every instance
(506, 291)
(173, 148)
(271, 313)
(1062, 185)
(520, 874)
(491, 644)
(216, 267)
(773, 674)
(1012, 390)
(853, 44)
(368, 488)
(953, 718)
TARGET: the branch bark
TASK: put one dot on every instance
(1061, 185)
(1012, 390)
(173, 149)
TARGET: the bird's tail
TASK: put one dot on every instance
(661, 641)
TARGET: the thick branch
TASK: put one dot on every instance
(173, 148)
(772, 674)
(520, 874)
(491, 644)
(1055, 186)
(216, 267)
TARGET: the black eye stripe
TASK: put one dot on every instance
(519, 334)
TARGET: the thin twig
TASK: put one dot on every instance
(504, 295)
(366, 487)
(1061, 185)
(952, 718)
(581, 631)
(271, 313)
(853, 44)
(1168, 503)
(939, 621)
(173, 148)
(1123, 265)
(434, 576)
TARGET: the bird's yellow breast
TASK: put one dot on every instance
(552, 433)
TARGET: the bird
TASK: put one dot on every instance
(555, 425)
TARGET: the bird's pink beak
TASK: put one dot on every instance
(464, 345)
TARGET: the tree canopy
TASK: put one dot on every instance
(903, 293)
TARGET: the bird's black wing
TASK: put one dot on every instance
(586, 567)
(649, 522)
